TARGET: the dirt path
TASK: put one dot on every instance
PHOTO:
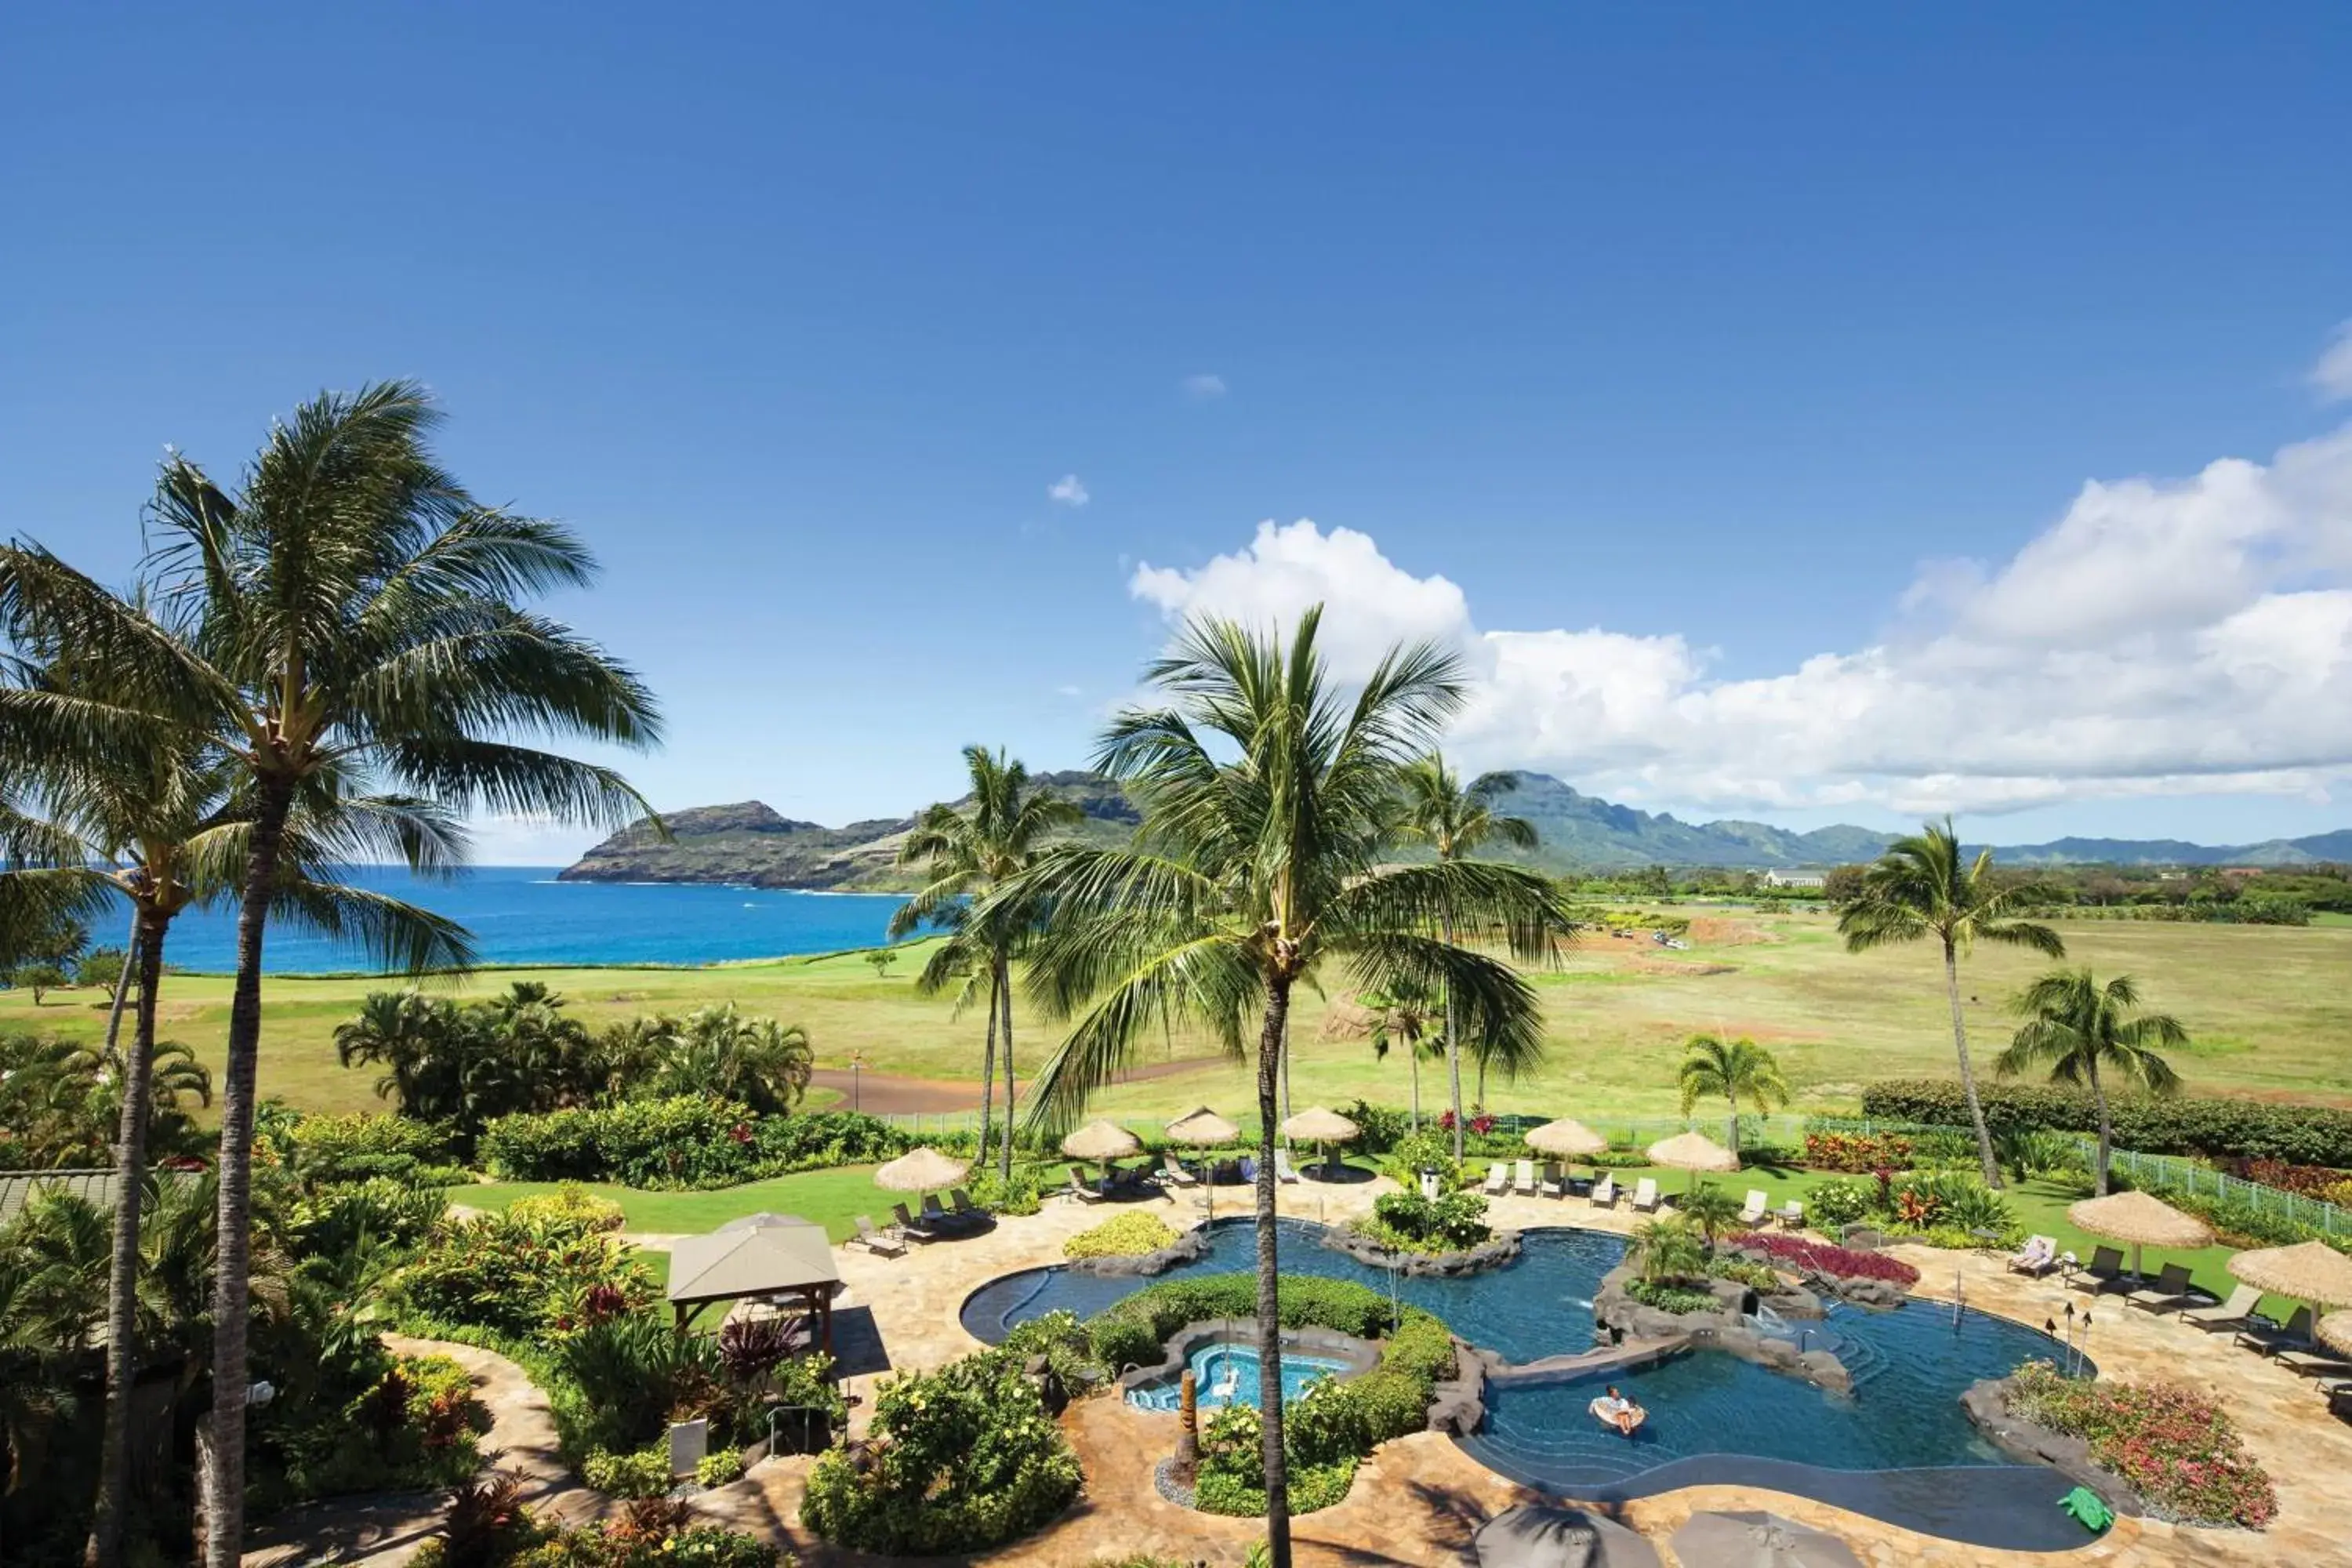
(889, 1094)
(384, 1530)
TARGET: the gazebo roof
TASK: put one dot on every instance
(94, 1187)
(759, 1259)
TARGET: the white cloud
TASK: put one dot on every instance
(2333, 375)
(2161, 637)
(1203, 387)
(1068, 491)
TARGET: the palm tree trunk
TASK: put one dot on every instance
(988, 1065)
(1968, 1072)
(1269, 1305)
(2107, 1135)
(104, 1548)
(1454, 1050)
(1734, 1143)
(122, 988)
(223, 1481)
(1004, 993)
(1412, 1059)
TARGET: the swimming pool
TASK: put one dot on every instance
(1225, 1374)
(1898, 1448)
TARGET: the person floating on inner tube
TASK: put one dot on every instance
(1615, 1410)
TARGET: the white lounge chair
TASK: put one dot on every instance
(1525, 1182)
(2231, 1315)
(1499, 1179)
(1646, 1196)
(1791, 1215)
(1282, 1169)
(1173, 1168)
(1084, 1191)
(1555, 1181)
(875, 1242)
(1755, 1215)
(2038, 1256)
(1604, 1192)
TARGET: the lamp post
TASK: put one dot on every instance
(857, 1061)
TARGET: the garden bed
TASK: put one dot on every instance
(1495, 1251)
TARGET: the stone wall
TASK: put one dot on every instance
(1186, 1248)
(2028, 1442)
(1497, 1249)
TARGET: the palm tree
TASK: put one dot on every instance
(2077, 1028)
(1455, 822)
(1709, 1208)
(970, 855)
(1269, 803)
(346, 614)
(1739, 1070)
(1921, 886)
(1405, 1012)
(719, 1051)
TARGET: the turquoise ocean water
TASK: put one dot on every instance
(521, 914)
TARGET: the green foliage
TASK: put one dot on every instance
(1428, 1150)
(1381, 1128)
(1408, 1222)
(642, 1473)
(1666, 1298)
(320, 1149)
(1022, 1193)
(1754, 1276)
(1129, 1234)
(1667, 1251)
(335, 1220)
(722, 1467)
(681, 1142)
(2213, 1126)
(522, 1278)
(714, 1052)
(571, 1206)
(1710, 1208)
(1134, 1331)
(965, 1458)
(1063, 1340)
(2240, 1223)
(626, 1377)
(1833, 1204)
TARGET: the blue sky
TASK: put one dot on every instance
(1699, 350)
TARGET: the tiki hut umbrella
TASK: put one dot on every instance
(2308, 1271)
(2334, 1332)
(2139, 1220)
(1202, 1128)
(1758, 1541)
(924, 1170)
(1317, 1125)
(1100, 1142)
(1566, 1139)
(1693, 1151)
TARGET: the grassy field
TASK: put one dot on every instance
(2268, 1007)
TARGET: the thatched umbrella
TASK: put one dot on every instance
(2139, 1220)
(1202, 1128)
(1566, 1139)
(1317, 1125)
(1693, 1151)
(924, 1170)
(2334, 1332)
(1758, 1541)
(2308, 1271)
(1101, 1142)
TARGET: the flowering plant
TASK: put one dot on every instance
(2172, 1445)
(1818, 1256)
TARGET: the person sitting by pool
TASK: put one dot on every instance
(1616, 1410)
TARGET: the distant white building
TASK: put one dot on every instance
(1795, 879)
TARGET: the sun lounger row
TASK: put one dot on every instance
(935, 1223)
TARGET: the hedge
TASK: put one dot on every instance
(686, 1141)
(2207, 1125)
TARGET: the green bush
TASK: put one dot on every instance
(1754, 1276)
(1676, 1299)
(967, 1460)
(521, 1278)
(570, 1204)
(642, 1473)
(1428, 1150)
(321, 1149)
(1024, 1194)
(1135, 1330)
(1836, 1203)
(1378, 1128)
(1407, 1222)
(1129, 1234)
(1312, 1487)
(721, 1467)
(2241, 1222)
(2209, 1125)
(330, 1220)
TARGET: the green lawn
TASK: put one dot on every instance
(830, 1198)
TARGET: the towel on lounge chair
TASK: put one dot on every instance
(1604, 1192)
(2038, 1256)
(1498, 1178)
(1524, 1181)
(876, 1243)
(1646, 1196)
(2231, 1314)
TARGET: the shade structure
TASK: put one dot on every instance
(1693, 1151)
(1539, 1534)
(1317, 1125)
(1566, 1139)
(1101, 1140)
(2140, 1221)
(2334, 1332)
(767, 1220)
(921, 1170)
(1202, 1128)
(2307, 1271)
(1758, 1541)
(765, 1256)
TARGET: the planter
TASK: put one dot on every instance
(1495, 1251)
(1987, 1406)
(1188, 1247)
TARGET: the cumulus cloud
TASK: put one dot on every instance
(1203, 387)
(2162, 637)
(2333, 375)
(1068, 491)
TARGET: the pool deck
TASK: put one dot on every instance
(1419, 1498)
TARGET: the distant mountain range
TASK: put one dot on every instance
(749, 843)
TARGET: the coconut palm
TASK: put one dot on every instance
(1269, 800)
(1739, 1070)
(1710, 1209)
(1405, 1013)
(1923, 886)
(2079, 1029)
(718, 1051)
(969, 855)
(346, 616)
(1455, 822)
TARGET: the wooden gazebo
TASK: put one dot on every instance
(780, 1258)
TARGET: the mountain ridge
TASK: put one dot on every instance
(748, 842)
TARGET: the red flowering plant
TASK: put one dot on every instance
(2171, 1445)
(1818, 1256)
(1856, 1153)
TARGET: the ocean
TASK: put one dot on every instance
(521, 914)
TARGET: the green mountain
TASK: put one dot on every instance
(749, 843)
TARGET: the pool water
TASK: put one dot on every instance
(1228, 1374)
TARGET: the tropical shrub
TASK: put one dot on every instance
(2209, 1125)
(1129, 1235)
(963, 1459)
(322, 1150)
(1134, 1331)
(2318, 1181)
(1062, 1340)
(1667, 1252)
(2239, 1222)
(333, 1220)
(1428, 1150)
(627, 1377)
(722, 1466)
(570, 1204)
(1677, 1298)
(1835, 1203)
(1230, 1480)
(531, 1279)
(1856, 1152)
(1953, 1205)
(1844, 1262)
(683, 1142)
(2172, 1445)
(642, 1473)
(1378, 1128)
(1408, 1222)
(1022, 1193)
(1754, 1276)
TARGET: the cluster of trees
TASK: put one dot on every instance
(328, 660)
(461, 1065)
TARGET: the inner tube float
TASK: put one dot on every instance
(1599, 1408)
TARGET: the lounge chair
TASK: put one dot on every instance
(1499, 1179)
(1646, 1196)
(2104, 1272)
(934, 1216)
(1555, 1181)
(2038, 1256)
(1084, 1191)
(1283, 1169)
(1524, 1181)
(965, 1209)
(910, 1228)
(2269, 1338)
(1757, 1215)
(2170, 1293)
(1791, 1214)
(2231, 1314)
(1173, 1169)
(2314, 1364)
(1604, 1192)
(875, 1242)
